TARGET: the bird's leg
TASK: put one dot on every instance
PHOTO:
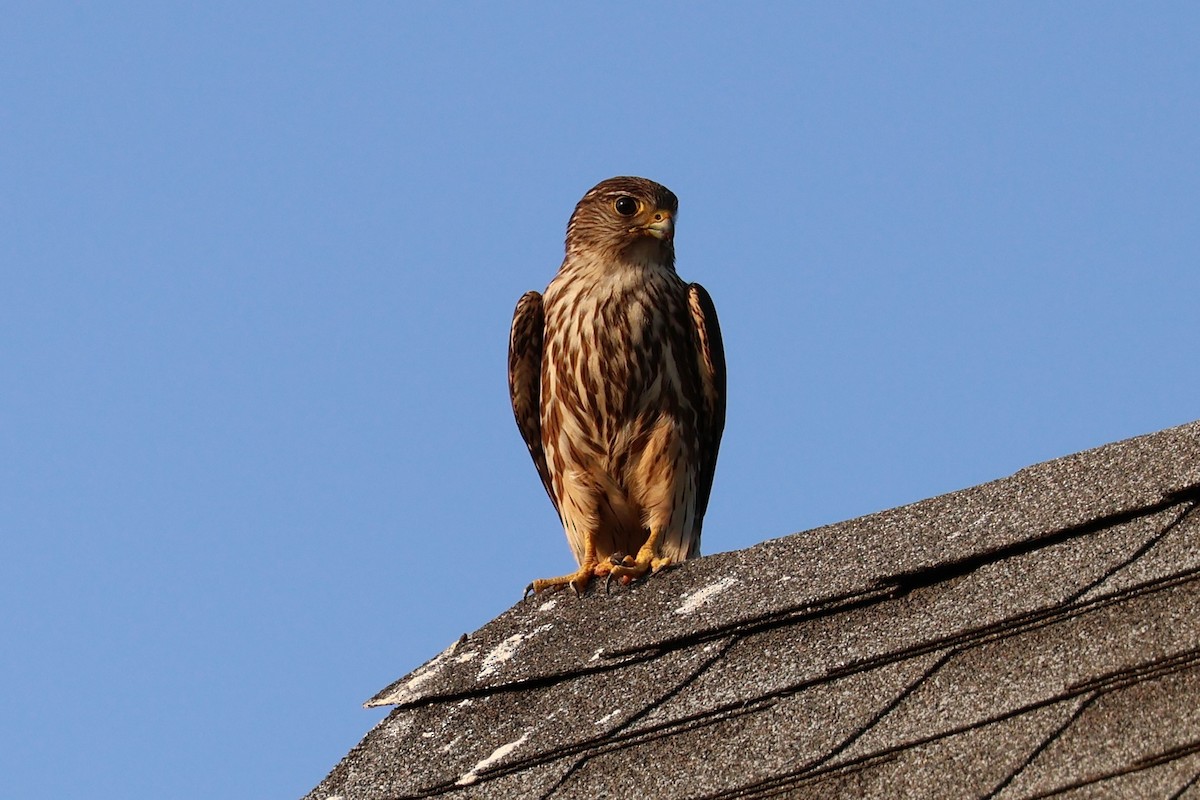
(647, 560)
(577, 580)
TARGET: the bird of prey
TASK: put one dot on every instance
(617, 379)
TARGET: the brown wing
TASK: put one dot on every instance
(710, 353)
(525, 379)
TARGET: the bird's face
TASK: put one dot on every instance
(625, 219)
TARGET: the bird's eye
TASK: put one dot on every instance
(626, 206)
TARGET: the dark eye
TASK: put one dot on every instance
(626, 206)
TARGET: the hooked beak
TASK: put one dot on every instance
(661, 225)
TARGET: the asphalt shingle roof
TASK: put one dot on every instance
(1035, 636)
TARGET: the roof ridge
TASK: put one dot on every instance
(966, 645)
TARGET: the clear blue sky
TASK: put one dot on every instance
(258, 266)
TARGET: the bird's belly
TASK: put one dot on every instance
(608, 400)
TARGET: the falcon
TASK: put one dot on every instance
(617, 380)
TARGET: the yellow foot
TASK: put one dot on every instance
(577, 580)
(628, 568)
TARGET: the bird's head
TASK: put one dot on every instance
(625, 219)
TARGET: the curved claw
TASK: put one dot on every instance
(617, 559)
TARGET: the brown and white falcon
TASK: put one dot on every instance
(617, 378)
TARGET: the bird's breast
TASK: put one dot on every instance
(614, 346)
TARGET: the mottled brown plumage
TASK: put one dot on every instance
(617, 379)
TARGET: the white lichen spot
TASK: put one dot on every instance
(410, 689)
(548, 605)
(427, 734)
(500, 752)
(506, 650)
(596, 655)
(397, 726)
(465, 657)
(608, 716)
(701, 597)
(465, 703)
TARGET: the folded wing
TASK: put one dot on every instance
(525, 379)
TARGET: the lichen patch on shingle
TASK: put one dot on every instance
(498, 754)
(506, 650)
(702, 596)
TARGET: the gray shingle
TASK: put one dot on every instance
(1033, 635)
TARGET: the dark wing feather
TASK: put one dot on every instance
(710, 354)
(525, 379)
